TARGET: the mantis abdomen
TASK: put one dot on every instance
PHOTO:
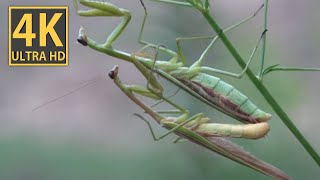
(227, 97)
(249, 131)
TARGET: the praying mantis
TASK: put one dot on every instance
(211, 90)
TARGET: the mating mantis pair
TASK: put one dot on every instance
(222, 95)
(209, 89)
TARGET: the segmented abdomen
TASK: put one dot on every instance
(227, 97)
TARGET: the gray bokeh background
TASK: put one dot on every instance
(91, 134)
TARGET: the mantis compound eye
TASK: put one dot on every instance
(114, 72)
(82, 41)
(82, 38)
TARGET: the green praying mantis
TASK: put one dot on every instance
(196, 81)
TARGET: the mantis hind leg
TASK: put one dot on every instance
(199, 62)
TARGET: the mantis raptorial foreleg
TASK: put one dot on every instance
(105, 9)
(150, 92)
(182, 120)
(153, 86)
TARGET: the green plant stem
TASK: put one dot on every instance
(263, 90)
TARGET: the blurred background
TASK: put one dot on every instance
(91, 134)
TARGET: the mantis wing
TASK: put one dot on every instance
(230, 150)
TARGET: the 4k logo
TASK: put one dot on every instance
(38, 36)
